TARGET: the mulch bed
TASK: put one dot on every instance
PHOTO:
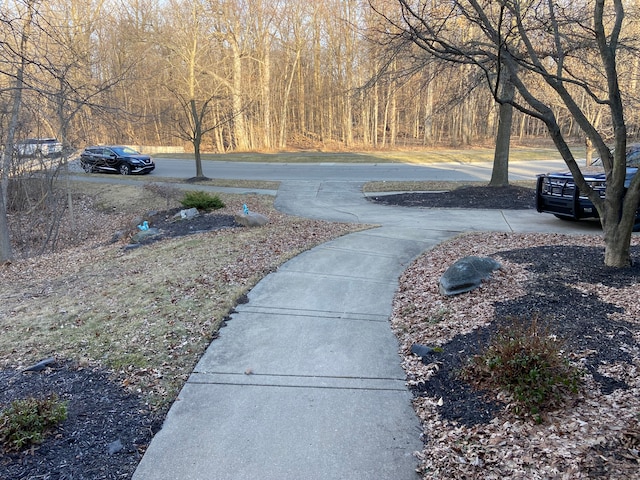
(104, 437)
(506, 198)
(581, 321)
(171, 224)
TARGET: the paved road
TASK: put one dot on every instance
(349, 172)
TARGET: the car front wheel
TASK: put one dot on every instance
(125, 169)
(87, 168)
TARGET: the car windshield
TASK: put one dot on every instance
(633, 156)
(125, 151)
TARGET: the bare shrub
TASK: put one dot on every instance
(170, 193)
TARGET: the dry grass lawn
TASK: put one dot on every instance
(146, 314)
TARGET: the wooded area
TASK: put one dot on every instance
(260, 74)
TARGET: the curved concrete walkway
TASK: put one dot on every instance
(305, 380)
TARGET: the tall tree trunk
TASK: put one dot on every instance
(393, 115)
(266, 97)
(588, 144)
(239, 124)
(6, 252)
(500, 172)
(428, 114)
(282, 142)
(197, 137)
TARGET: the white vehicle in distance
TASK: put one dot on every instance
(31, 147)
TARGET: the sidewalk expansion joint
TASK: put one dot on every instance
(359, 278)
(294, 312)
(358, 252)
(303, 381)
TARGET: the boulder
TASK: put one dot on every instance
(143, 235)
(187, 214)
(467, 274)
(251, 219)
(422, 351)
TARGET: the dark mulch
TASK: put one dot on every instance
(507, 198)
(171, 225)
(580, 320)
(106, 432)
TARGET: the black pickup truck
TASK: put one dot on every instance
(556, 193)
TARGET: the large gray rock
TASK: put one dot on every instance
(251, 219)
(143, 235)
(467, 274)
(187, 214)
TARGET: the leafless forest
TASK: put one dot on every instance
(259, 75)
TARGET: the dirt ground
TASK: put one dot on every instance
(109, 429)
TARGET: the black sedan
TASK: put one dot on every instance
(115, 159)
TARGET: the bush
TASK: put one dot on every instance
(27, 421)
(526, 361)
(202, 201)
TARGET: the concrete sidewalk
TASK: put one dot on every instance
(305, 380)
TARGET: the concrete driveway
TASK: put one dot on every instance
(305, 381)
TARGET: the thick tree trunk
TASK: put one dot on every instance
(266, 99)
(617, 238)
(500, 172)
(239, 125)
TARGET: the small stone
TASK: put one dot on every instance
(117, 236)
(41, 365)
(188, 214)
(421, 350)
(115, 447)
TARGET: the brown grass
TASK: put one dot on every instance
(147, 314)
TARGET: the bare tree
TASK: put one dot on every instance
(16, 57)
(571, 48)
(187, 63)
(49, 64)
